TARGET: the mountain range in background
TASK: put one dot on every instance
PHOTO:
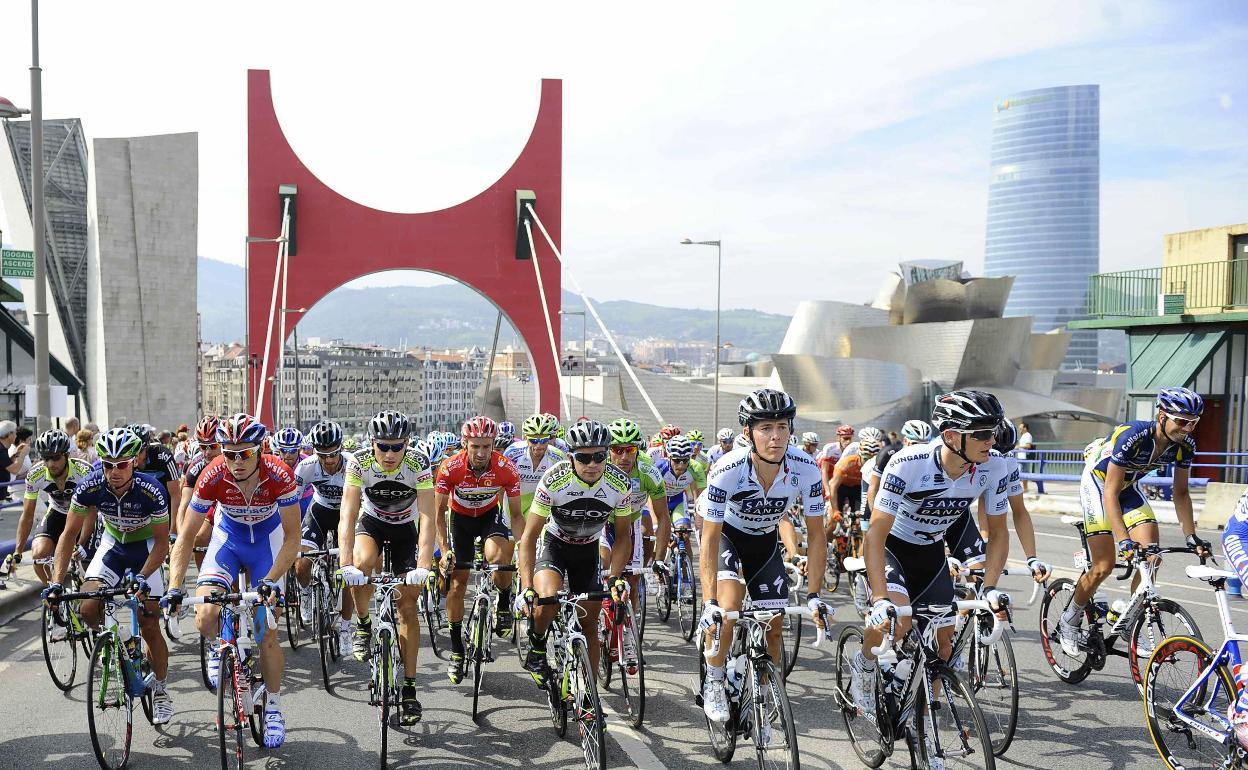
(455, 316)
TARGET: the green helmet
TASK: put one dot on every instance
(696, 436)
(624, 431)
(350, 444)
(560, 431)
(118, 444)
(538, 426)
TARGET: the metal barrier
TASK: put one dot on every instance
(1041, 465)
(1207, 286)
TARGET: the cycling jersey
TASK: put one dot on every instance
(880, 462)
(713, 456)
(389, 496)
(193, 469)
(129, 518)
(473, 493)
(576, 512)
(699, 466)
(850, 468)
(646, 482)
(737, 499)
(926, 503)
(530, 474)
(160, 463)
(247, 519)
(674, 486)
(656, 453)
(1014, 475)
(1132, 447)
(39, 480)
(833, 451)
(326, 487)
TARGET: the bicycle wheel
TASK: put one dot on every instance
(110, 709)
(60, 648)
(775, 735)
(687, 601)
(606, 645)
(993, 676)
(383, 675)
(792, 633)
(203, 664)
(479, 632)
(435, 620)
(723, 735)
(558, 707)
(632, 685)
(1171, 670)
(958, 734)
(663, 599)
(230, 714)
(1070, 669)
(832, 575)
(520, 631)
(866, 731)
(587, 709)
(294, 625)
(1160, 618)
(639, 612)
(324, 626)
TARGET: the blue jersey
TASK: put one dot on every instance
(1132, 447)
(130, 517)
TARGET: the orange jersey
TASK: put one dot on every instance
(850, 468)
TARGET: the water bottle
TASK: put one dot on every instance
(1101, 603)
(860, 595)
(901, 673)
(734, 674)
(1115, 611)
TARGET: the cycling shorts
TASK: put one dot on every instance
(577, 562)
(466, 530)
(51, 525)
(607, 540)
(965, 541)
(680, 515)
(850, 494)
(755, 561)
(317, 524)
(113, 559)
(227, 557)
(401, 538)
(1135, 507)
(919, 572)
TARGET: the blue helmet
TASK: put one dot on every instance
(506, 434)
(288, 440)
(1180, 401)
(435, 446)
(452, 440)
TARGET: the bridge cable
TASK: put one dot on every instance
(550, 330)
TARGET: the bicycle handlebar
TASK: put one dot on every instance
(968, 605)
(563, 596)
(758, 616)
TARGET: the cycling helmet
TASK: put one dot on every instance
(679, 448)
(870, 434)
(52, 442)
(422, 446)
(725, 434)
(669, 430)
(480, 427)
(624, 431)
(917, 431)
(350, 444)
(241, 429)
(326, 435)
(538, 426)
(766, 404)
(810, 437)
(1093, 450)
(436, 443)
(118, 444)
(144, 432)
(1007, 437)
(868, 447)
(288, 440)
(656, 440)
(793, 439)
(507, 430)
(740, 441)
(845, 431)
(389, 425)
(560, 431)
(452, 440)
(1180, 401)
(206, 430)
(966, 410)
(588, 433)
(696, 436)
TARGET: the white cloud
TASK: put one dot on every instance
(1224, 101)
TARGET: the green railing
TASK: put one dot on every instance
(1203, 286)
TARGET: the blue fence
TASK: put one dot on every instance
(1041, 465)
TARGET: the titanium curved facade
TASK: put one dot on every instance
(1044, 208)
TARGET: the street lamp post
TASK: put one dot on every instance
(584, 353)
(719, 275)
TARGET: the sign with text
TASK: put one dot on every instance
(17, 264)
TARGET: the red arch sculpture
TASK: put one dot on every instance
(339, 240)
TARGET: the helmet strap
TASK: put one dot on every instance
(960, 451)
(749, 434)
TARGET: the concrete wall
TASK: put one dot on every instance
(1212, 244)
(147, 197)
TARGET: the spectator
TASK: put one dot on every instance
(1025, 442)
(23, 437)
(84, 450)
(72, 426)
(12, 455)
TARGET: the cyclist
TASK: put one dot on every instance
(870, 442)
(844, 490)
(472, 484)
(325, 472)
(288, 443)
(699, 464)
(156, 460)
(208, 448)
(1235, 545)
(748, 492)
(134, 511)
(678, 480)
(925, 499)
(724, 438)
(912, 432)
(533, 455)
(832, 453)
(255, 528)
(385, 489)
(506, 435)
(645, 485)
(574, 501)
(1006, 440)
(1114, 505)
(810, 443)
(54, 478)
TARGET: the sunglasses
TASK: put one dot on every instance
(985, 434)
(119, 465)
(52, 458)
(590, 458)
(390, 447)
(234, 455)
(539, 441)
(1184, 422)
(624, 449)
(210, 447)
(328, 452)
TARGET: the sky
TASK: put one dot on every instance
(821, 142)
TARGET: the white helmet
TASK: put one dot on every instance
(725, 434)
(810, 437)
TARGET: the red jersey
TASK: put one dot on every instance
(475, 494)
(250, 519)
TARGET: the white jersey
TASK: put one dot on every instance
(735, 497)
(326, 487)
(1015, 478)
(389, 497)
(531, 474)
(925, 502)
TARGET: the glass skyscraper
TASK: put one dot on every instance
(1044, 208)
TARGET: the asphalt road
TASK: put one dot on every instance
(1097, 725)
